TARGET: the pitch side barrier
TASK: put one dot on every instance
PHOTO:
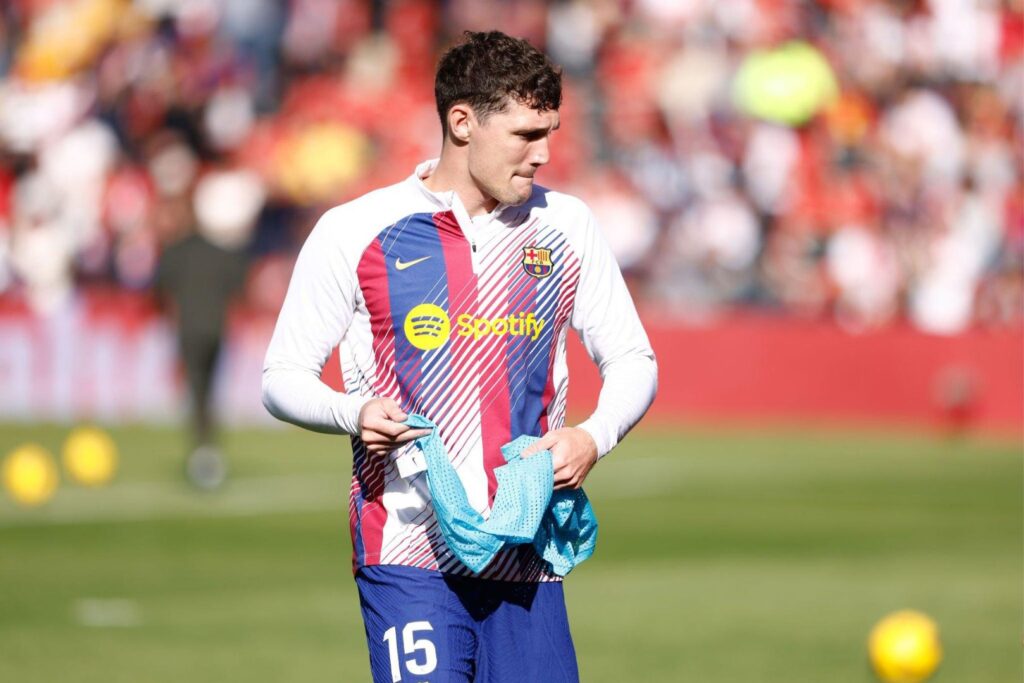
(113, 358)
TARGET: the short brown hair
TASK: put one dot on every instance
(490, 67)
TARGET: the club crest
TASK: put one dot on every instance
(537, 262)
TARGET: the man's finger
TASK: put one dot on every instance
(411, 435)
(558, 458)
(388, 428)
(374, 437)
(564, 481)
(543, 444)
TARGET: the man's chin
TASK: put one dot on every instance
(517, 201)
(517, 198)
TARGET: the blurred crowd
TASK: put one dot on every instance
(851, 159)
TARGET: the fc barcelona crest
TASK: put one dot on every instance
(537, 262)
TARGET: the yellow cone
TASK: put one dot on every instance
(904, 647)
(90, 456)
(30, 475)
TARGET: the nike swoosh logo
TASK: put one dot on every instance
(399, 265)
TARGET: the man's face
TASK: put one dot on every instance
(507, 148)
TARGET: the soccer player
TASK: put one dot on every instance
(451, 294)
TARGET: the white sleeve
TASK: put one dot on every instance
(316, 314)
(607, 322)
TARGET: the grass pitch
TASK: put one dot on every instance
(723, 557)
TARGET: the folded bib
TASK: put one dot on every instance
(561, 524)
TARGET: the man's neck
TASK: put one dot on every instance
(451, 174)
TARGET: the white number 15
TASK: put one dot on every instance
(411, 645)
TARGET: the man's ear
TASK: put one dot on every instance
(460, 117)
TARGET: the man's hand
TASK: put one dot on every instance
(381, 428)
(573, 454)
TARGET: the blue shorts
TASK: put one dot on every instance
(423, 625)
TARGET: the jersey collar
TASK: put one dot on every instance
(448, 200)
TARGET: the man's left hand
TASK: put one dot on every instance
(573, 454)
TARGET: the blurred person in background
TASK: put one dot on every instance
(202, 269)
(450, 294)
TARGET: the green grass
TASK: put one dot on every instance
(723, 556)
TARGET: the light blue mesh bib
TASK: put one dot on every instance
(561, 524)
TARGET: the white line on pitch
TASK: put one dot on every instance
(162, 500)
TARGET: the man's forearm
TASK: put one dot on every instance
(300, 397)
(628, 388)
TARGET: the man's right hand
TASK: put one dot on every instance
(381, 428)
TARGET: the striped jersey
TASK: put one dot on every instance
(462, 320)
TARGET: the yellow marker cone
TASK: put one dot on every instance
(904, 647)
(90, 456)
(30, 475)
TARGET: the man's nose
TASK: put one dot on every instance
(541, 152)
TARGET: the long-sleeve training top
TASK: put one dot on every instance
(463, 321)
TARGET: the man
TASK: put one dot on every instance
(199, 274)
(451, 294)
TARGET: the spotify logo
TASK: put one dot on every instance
(427, 327)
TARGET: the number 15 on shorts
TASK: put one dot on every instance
(420, 654)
